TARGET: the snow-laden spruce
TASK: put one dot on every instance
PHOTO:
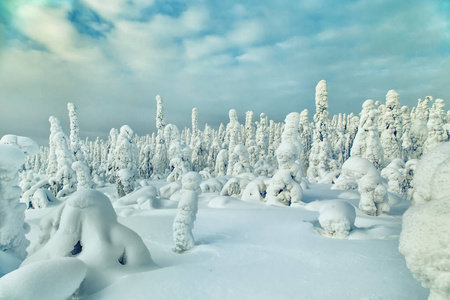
(186, 213)
(424, 240)
(12, 216)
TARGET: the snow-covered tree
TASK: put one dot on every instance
(284, 188)
(367, 143)
(374, 200)
(436, 122)
(83, 175)
(424, 240)
(186, 213)
(65, 180)
(321, 156)
(262, 138)
(75, 132)
(419, 131)
(13, 227)
(160, 161)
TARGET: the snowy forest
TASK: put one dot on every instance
(316, 207)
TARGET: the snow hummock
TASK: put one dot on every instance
(85, 226)
(54, 279)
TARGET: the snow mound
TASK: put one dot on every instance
(86, 227)
(54, 279)
(227, 202)
(337, 218)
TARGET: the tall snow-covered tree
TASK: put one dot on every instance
(160, 160)
(321, 157)
(75, 132)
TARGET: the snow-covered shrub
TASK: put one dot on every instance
(170, 190)
(234, 186)
(139, 199)
(374, 200)
(394, 173)
(85, 226)
(424, 240)
(221, 163)
(337, 218)
(211, 185)
(266, 166)
(83, 175)
(410, 168)
(125, 182)
(283, 190)
(178, 169)
(12, 217)
(255, 191)
(186, 213)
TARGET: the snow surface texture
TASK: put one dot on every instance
(374, 198)
(12, 226)
(85, 226)
(424, 239)
(186, 213)
(55, 279)
(337, 218)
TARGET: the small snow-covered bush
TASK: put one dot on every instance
(234, 186)
(186, 213)
(211, 185)
(255, 191)
(424, 240)
(337, 218)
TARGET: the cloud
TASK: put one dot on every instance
(112, 57)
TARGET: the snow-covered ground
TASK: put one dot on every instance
(256, 251)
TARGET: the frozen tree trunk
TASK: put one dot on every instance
(13, 227)
(186, 214)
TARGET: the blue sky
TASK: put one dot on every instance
(111, 58)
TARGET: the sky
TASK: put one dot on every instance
(112, 57)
